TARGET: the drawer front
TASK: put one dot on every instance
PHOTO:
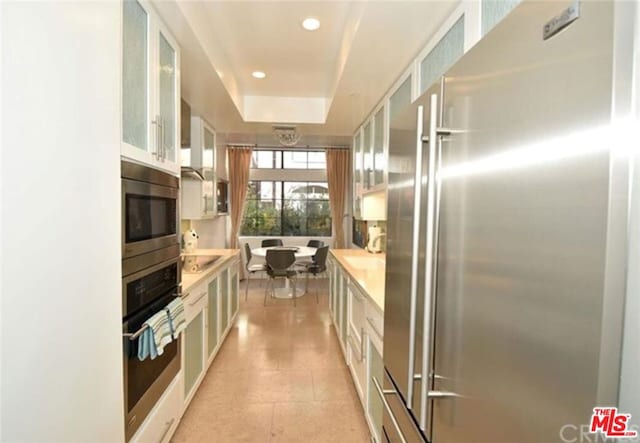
(163, 419)
(195, 301)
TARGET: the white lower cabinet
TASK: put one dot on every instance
(375, 369)
(194, 339)
(234, 282)
(359, 325)
(210, 309)
(164, 417)
(224, 301)
(356, 339)
(213, 323)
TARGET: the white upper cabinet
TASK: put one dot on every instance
(444, 54)
(150, 89)
(379, 157)
(202, 151)
(199, 196)
(493, 11)
(367, 158)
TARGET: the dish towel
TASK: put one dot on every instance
(177, 320)
(155, 337)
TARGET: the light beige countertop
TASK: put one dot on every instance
(365, 269)
(226, 256)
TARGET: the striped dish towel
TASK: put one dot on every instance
(177, 320)
(152, 341)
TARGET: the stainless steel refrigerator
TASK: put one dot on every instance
(503, 308)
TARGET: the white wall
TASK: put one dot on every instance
(213, 233)
(61, 296)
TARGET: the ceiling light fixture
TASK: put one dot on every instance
(286, 135)
(311, 24)
(258, 74)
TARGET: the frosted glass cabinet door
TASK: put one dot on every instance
(224, 305)
(209, 151)
(167, 92)
(444, 54)
(367, 156)
(378, 147)
(357, 162)
(212, 317)
(208, 185)
(193, 348)
(400, 99)
(135, 67)
(234, 293)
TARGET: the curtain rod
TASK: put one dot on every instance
(285, 148)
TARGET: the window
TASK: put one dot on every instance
(271, 159)
(287, 208)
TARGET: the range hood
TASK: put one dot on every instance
(191, 173)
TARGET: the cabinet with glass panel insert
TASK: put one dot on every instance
(369, 158)
(150, 89)
(199, 186)
(210, 310)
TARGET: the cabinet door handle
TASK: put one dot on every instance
(198, 299)
(162, 146)
(167, 427)
(156, 122)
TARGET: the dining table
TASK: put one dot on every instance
(300, 252)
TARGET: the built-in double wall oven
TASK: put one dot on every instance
(150, 280)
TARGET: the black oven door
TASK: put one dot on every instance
(145, 381)
(149, 217)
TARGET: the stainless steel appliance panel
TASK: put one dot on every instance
(397, 423)
(150, 214)
(401, 210)
(522, 239)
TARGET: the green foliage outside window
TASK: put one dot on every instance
(287, 209)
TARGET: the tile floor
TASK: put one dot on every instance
(280, 377)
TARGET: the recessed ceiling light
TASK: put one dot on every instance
(258, 74)
(311, 24)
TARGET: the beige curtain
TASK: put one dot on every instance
(239, 164)
(338, 169)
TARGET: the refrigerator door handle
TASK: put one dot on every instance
(382, 393)
(430, 252)
(448, 131)
(442, 394)
(414, 256)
